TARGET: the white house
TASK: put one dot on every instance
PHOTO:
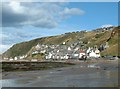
(43, 51)
(21, 57)
(69, 48)
(75, 55)
(66, 56)
(92, 54)
(35, 52)
(97, 52)
(11, 59)
(58, 51)
(5, 58)
(15, 58)
(34, 60)
(49, 56)
(64, 43)
(58, 56)
(88, 50)
(37, 46)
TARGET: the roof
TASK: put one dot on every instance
(81, 51)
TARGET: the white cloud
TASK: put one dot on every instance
(10, 36)
(4, 48)
(72, 11)
(41, 15)
(16, 7)
(106, 25)
(44, 15)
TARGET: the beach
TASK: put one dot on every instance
(96, 73)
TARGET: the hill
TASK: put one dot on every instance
(91, 38)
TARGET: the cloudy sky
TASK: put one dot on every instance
(23, 21)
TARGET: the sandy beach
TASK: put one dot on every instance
(84, 74)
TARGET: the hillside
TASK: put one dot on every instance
(89, 39)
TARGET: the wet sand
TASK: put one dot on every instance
(83, 74)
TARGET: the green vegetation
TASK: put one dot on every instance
(93, 37)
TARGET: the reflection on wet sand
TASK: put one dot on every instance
(80, 75)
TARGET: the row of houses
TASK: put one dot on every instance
(79, 54)
(73, 51)
(102, 29)
(64, 51)
(16, 58)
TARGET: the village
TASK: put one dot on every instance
(62, 52)
(76, 50)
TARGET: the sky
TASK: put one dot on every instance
(24, 21)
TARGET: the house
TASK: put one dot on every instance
(66, 56)
(49, 56)
(11, 59)
(69, 48)
(34, 60)
(37, 46)
(75, 56)
(64, 43)
(82, 53)
(42, 51)
(5, 58)
(35, 52)
(92, 54)
(97, 52)
(88, 50)
(15, 58)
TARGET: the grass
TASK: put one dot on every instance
(95, 38)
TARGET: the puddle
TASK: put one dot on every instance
(90, 66)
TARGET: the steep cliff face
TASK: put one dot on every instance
(89, 38)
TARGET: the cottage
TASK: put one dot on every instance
(43, 51)
(58, 51)
(11, 59)
(82, 53)
(21, 57)
(34, 60)
(5, 58)
(97, 52)
(92, 54)
(69, 48)
(66, 56)
(35, 52)
(15, 58)
(88, 50)
(49, 56)
(37, 46)
(64, 43)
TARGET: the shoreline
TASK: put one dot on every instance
(46, 65)
(99, 65)
(82, 74)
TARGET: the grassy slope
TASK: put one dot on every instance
(95, 38)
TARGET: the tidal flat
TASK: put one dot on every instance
(82, 74)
